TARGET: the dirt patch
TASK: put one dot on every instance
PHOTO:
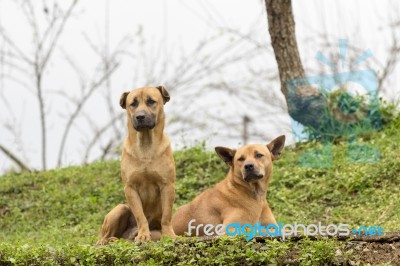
(373, 253)
(350, 250)
(360, 250)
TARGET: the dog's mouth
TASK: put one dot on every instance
(251, 176)
(143, 127)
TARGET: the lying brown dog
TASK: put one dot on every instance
(147, 170)
(240, 197)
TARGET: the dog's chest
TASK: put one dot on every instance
(140, 171)
(143, 173)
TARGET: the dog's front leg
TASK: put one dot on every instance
(135, 204)
(167, 201)
(266, 215)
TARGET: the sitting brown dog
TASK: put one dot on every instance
(147, 170)
(240, 197)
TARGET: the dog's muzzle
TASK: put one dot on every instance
(143, 121)
(250, 173)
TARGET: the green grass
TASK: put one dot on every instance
(54, 217)
(223, 251)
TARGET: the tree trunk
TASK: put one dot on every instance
(305, 104)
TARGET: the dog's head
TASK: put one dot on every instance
(145, 106)
(252, 162)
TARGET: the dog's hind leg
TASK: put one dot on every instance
(116, 223)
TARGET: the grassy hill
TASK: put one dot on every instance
(54, 217)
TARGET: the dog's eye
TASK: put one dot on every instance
(134, 103)
(150, 102)
(259, 155)
(241, 159)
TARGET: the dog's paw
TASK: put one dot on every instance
(105, 241)
(168, 233)
(101, 242)
(143, 237)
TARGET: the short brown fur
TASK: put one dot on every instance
(241, 196)
(147, 171)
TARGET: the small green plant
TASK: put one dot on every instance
(390, 113)
(346, 116)
(321, 252)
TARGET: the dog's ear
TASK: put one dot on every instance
(276, 147)
(164, 93)
(122, 100)
(226, 154)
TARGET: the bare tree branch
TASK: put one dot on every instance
(78, 108)
(99, 133)
(57, 35)
(14, 158)
(12, 44)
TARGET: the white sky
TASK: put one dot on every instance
(178, 24)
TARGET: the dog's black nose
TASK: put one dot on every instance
(140, 117)
(249, 166)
